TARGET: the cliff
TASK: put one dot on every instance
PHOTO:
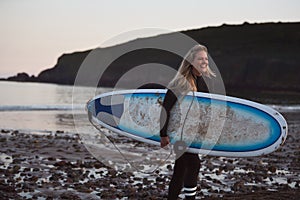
(261, 57)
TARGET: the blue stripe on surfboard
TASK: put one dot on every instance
(198, 145)
(115, 110)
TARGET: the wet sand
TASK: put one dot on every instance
(58, 166)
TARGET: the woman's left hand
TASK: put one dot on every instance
(164, 141)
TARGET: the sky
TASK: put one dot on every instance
(34, 33)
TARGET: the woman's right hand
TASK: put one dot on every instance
(164, 141)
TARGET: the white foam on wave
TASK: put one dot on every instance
(286, 108)
(41, 107)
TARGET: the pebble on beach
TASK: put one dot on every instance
(59, 166)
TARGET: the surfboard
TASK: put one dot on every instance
(209, 124)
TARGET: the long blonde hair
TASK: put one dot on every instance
(184, 80)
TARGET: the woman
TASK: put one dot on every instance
(193, 74)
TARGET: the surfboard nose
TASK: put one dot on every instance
(108, 109)
(115, 110)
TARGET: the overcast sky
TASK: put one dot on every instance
(34, 33)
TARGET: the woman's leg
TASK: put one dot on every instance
(177, 178)
(191, 175)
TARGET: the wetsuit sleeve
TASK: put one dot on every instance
(205, 84)
(168, 103)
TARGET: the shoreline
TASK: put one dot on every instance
(58, 166)
(278, 96)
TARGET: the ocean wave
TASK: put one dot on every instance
(40, 107)
(286, 108)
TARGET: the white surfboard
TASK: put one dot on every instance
(208, 123)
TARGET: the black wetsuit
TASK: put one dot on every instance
(187, 166)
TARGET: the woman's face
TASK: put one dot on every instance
(200, 63)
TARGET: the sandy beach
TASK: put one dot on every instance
(56, 165)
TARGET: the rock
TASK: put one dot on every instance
(59, 131)
(69, 196)
(258, 178)
(51, 159)
(83, 188)
(159, 179)
(112, 173)
(210, 166)
(240, 185)
(169, 167)
(5, 131)
(272, 169)
(16, 169)
(229, 167)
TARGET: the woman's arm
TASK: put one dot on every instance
(168, 103)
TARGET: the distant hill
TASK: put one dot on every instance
(256, 57)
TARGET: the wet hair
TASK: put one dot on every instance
(184, 80)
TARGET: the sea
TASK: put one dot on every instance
(41, 107)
